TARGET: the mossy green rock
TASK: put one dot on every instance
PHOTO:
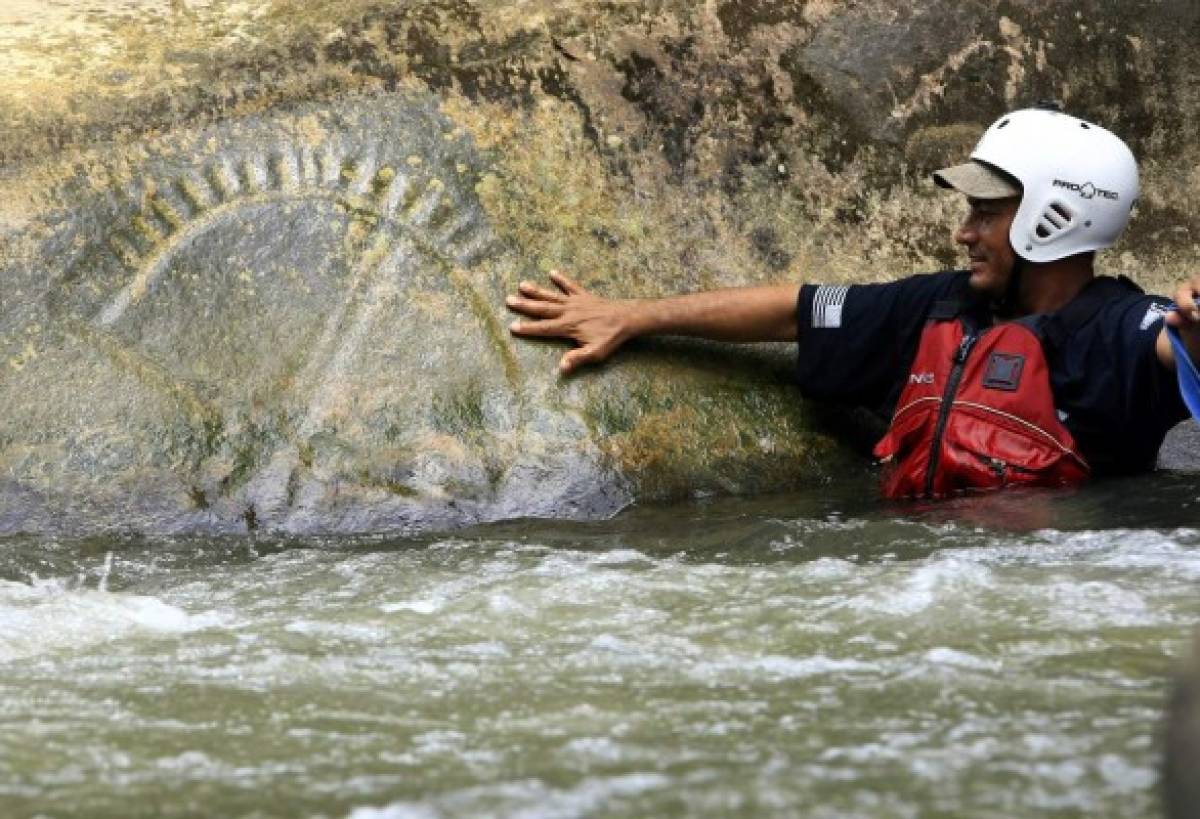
(255, 253)
(293, 321)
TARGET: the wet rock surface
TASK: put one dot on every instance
(255, 253)
(1181, 740)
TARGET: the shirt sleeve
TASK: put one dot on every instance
(1126, 399)
(1150, 391)
(857, 342)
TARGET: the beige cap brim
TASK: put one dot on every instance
(978, 181)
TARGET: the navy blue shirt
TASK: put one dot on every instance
(857, 344)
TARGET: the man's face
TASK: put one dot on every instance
(984, 234)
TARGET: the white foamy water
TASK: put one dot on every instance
(48, 617)
(706, 663)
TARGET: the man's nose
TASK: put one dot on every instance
(965, 234)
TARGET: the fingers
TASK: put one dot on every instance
(546, 328)
(566, 287)
(576, 358)
(534, 308)
(1187, 308)
(565, 284)
(533, 291)
(571, 360)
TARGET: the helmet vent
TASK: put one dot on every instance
(1060, 211)
(1002, 124)
(1057, 218)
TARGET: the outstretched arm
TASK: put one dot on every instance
(599, 325)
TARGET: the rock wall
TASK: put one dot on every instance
(254, 253)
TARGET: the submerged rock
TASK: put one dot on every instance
(255, 253)
(1181, 758)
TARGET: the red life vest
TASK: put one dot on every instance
(977, 413)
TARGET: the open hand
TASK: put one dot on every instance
(597, 325)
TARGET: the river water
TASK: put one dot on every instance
(819, 655)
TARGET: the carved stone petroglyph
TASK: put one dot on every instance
(294, 322)
(288, 294)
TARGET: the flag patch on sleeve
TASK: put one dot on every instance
(828, 301)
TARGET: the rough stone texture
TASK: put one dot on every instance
(254, 252)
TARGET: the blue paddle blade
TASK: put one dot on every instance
(1189, 378)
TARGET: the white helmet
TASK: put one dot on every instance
(1079, 182)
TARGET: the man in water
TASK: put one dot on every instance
(1026, 367)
